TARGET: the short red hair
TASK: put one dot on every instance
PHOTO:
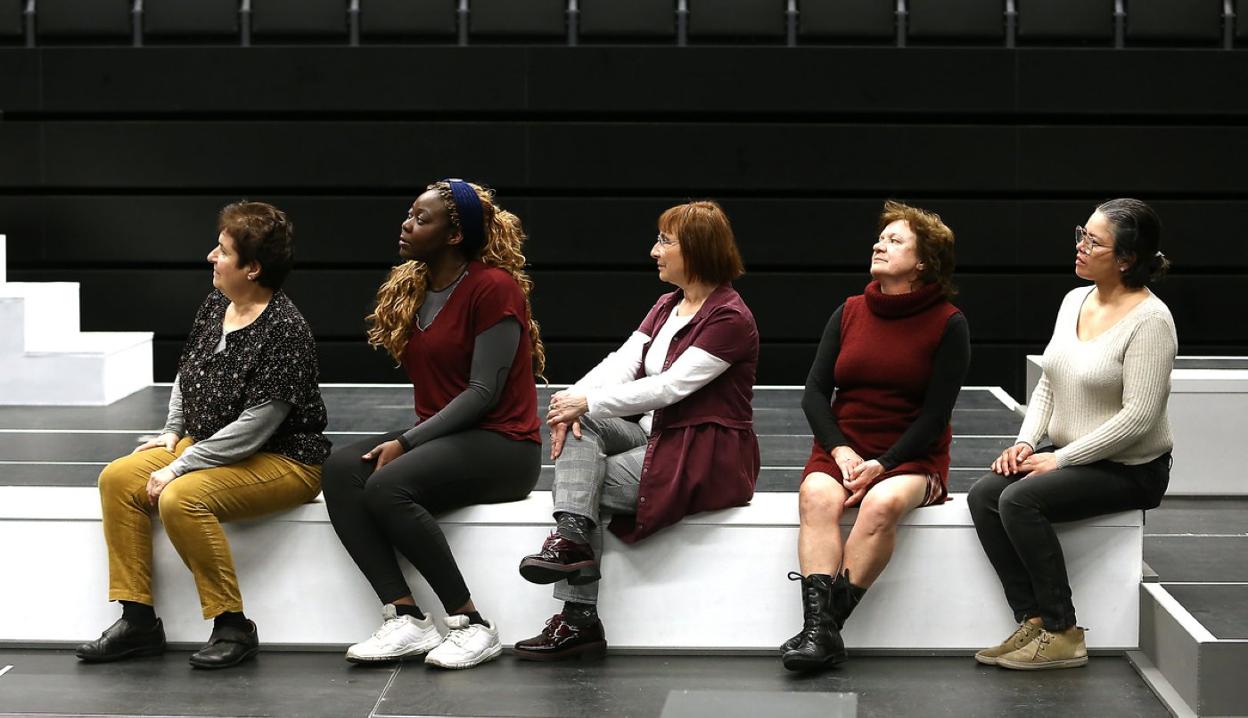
(706, 241)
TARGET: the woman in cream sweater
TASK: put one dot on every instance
(1101, 402)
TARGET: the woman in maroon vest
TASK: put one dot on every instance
(894, 357)
(686, 379)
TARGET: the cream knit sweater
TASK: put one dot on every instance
(1105, 398)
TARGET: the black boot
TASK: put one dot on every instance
(821, 645)
(845, 598)
(796, 640)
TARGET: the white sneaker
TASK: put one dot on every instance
(399, 637)
(466, 645)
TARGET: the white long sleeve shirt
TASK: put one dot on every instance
(612, 388)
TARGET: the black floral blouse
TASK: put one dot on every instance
(273, 358)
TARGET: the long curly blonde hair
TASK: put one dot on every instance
(400, 296)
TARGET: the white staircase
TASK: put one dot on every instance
(46, 360)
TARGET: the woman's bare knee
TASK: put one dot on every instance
(821, 497)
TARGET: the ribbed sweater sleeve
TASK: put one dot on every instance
(1039, 411)
(1146, 368)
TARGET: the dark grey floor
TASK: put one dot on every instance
(67, 446)
(322, 684)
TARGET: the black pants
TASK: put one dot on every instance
(376, 512)
(1014, 519)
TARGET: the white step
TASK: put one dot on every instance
(46, 360)
(716, 581)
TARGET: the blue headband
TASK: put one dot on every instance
(471, 216)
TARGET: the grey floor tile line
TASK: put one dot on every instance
(393, 675)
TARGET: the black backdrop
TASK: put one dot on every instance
(114, 161)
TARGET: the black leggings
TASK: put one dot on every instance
(1014, 517)
(376, 512)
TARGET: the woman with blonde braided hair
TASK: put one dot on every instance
(455, 315)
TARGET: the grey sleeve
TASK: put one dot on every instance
(173, 421)
(236, 440)
(492, 354)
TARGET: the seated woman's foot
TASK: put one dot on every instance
(561, 559)
(1050, 649)
(819, 644)
(561, 639)
(1024, 634)
(792, 643)
(229, 645)
(399, 638)
(466, 644)
(124, 639)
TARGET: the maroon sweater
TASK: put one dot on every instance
(889, 405)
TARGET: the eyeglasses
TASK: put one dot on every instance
(1085, 242)
(664, 241)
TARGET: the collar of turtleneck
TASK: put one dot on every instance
(901, 305)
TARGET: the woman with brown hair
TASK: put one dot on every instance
(685, 378)
(455, 315)
(242, 439)
(879, 397)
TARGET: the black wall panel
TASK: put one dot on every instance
(762, 20)
(190, 18)
(635, 20)
(629, 82)
(116, 160)
(390, 19)
(12, 25)
(83, 19)
(299, 19)
(502, 19)
(1174, 21)
(1047, 20)
(963, 20)
(860, 20)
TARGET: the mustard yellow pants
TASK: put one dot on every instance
(192, 508)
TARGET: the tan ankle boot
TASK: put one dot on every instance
(1049, 650)
(1024, 634)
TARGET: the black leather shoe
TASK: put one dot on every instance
(561, 559)
(124, 640)
(821, 645)
(227, 646)
(560, 640)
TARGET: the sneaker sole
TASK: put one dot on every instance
(141, 652)
(544, 572)
(589, 651)
(986, 660)
(493, 653)
(415, 652)
(1044, 665)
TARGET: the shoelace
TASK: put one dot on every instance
(390, 626)
(460, 636)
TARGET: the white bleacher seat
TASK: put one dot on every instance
(714, 582)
